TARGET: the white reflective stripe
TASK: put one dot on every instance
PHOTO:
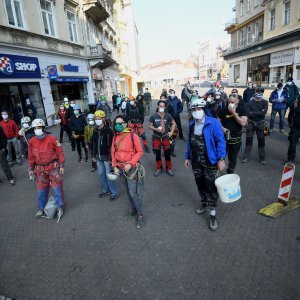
(284, 190)
(287, 175)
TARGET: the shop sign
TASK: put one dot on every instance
(68, 68)
(282, 57)
(15, 66)
(52, 72)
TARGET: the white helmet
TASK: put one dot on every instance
(111, 176)
(90, 116)
(25, 120)
(38, 123)
(198, 103)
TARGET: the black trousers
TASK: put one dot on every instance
(4, 164)
(65, 128)
(178, 123)
(205, 180)
(232, 152)
(80, 143)
(257, 128)
(293, 138)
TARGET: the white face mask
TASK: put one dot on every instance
(72, 104)
(198, 114)
(98, 122)
(289, 82)
(218, 97)
(172, 95)
(91, 122)
(231, 105)
(25, 125)
(131, 102)
(209, 100)
(5, 116)
(161, 109)
(61, 108)
(38, 131)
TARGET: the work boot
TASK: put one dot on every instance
(80, 159)
(114, 198)
(12, 181)
(157, 173)
(170, 173)
(40, 213)
(202, 210)
(263, 162)
(140, 222)
(104, 194)
(213, 225)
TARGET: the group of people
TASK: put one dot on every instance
(219, 126)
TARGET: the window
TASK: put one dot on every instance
(256, 30)
(249, 39)
(242, 38)
(236, 73)
(248, 5)
(72, 26)
(286, 12)
(47, 15)
(272, 19)
(241, 8)
(14, 12)
(256, 3)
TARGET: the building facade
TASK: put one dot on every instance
(264, 42)
(51, 49)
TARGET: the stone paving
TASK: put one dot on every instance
(93, 253)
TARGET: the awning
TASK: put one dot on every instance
(281, 65)
(70, 79)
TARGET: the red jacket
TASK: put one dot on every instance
(10, 129)
(126, 151)
(63, 117)
(44, 151)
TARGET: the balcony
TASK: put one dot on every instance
(231, 23)
(243, 45)
(100, 57)
(96, 9)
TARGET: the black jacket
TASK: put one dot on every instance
(294, 116)
(101, 143)
(257, 110)
(248, 94)
(78, 124)
(3, 139)
(135, 113)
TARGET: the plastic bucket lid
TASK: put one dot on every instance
(228, 187)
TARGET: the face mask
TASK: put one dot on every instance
(72, 104)
(217, 97)
(91, 122)
(62, 108)
(76, 112)
(258, 96)
(231, 105)
(172, 95)
(131, 102)
(221, 91)
(38, 131)
(234, 94)
(161, 109)
(98, 122)
(209, 100)
(5, 116)
(25, 125)
(289, 82)
(250, 86)
(198, 114)
(119, 127)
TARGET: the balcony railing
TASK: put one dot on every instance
(98, 10)
(243, 45)
(231, 23)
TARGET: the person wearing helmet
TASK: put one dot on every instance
(257, 109)
(205, 152)
(126, 151)
(46, 164)
(25, 133)
(233, 118)
(88, 135)
(103, 105)
(11, 131)
(135, 116)
(3, 158)
(78, 123)
(64, 123)
(101, 155)
(163, 126)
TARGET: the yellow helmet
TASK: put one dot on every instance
(99, 113)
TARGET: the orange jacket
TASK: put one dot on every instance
(44, 151)
(127, 151)
(10, 128)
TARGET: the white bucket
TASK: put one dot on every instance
(228, 187)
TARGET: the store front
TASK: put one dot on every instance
(281, 66)
(20, 92)
(258, 70)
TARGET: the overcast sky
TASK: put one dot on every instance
(171, 29)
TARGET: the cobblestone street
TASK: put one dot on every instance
(93, 253)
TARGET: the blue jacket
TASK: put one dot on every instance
(274, 99)
(214, 139)
(176, 106)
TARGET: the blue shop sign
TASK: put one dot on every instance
(68, 68)
(52, 72)
(15, 66)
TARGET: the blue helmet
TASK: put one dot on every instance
(76, 107)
